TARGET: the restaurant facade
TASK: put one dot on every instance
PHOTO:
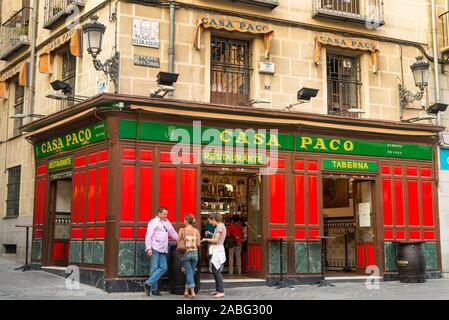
(104, 167)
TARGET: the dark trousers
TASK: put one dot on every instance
(219, 285)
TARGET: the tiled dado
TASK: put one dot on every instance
(390, 252)
(36, 250)
(92, 253)
(274, 255)
(133, 260)
(307, 257)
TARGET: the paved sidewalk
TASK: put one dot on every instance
(42, 285)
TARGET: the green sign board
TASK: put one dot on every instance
(213, 157)
(157, 131)
(350, 165)
(60, 164)
(72, 140)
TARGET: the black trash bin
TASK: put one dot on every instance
(176, 274)
(411, 261)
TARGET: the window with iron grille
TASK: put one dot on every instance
(348, 6)
(68, 74)
(19, 93)
(343, 84)
(230, 71)
(13, 192)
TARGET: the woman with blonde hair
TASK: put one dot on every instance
(191, 236)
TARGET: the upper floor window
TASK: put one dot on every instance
(19, 93)
(56, 10)
(68, 74)
(343, 85)
(230, 71)
(367, 12)
(13, 192)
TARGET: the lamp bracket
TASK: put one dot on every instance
(110, 67)
(406, 96)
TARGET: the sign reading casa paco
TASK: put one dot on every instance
(71, 140)
(350, 165)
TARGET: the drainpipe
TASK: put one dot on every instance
(34, 22)
(171, 49)
(436, 65)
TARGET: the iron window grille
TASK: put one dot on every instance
(230, 71)
(13, 192)
(343, 85)
(68, 75)
(19, 93)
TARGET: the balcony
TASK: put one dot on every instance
(445, 43)
(14, 33)
(56, 10)
(364, 12)
(269, 4)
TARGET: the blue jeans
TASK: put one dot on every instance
(189, 262)
(158, 267)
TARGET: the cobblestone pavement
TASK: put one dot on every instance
(42, 285)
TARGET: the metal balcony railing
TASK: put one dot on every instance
(56, 10)
(14, 33)
(269, 4)
(445, 42)
(367, 12)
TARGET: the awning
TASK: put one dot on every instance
(23, 69)
(239, 26)
(347, 43)
(75, 36)
(3, 90)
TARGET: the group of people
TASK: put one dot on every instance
(156, 242)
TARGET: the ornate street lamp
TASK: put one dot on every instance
(93, 32)
(420, 71)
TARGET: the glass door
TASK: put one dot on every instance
(253, 230)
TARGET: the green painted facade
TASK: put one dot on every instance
(390, 249)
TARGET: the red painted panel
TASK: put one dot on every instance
(399, 203)
(100, 233)
(277, 233)
(90, 233)
(146, 182)
(42, 202)
(426, 172)
(103, 155)
(412, 171)
(38, 233)
(258, 259)
(41, 170)
(415, 234)
(370, 255)
(387, 202)
(102, 191)
(299, 165)
(427, 205)
(80, 161)
(312, 165)
(129, 154)
(57, 250)
(397, 170)
(313, 234)
(251, 257)
(167, 191)
(386, 169)
(429, 235)
(141, 232)
(75, 197)
(277, 198)
(127, 232)
(277, 163)
(188, 192)
(81, 192)
(93, 158)
(37, 197)
(167, 156)
(128, 189)
(299, 199)
(400, 235)
(91, 195)
(77, 233)
(361, 256)
(313, 200)
(413, 205)
(388, 235)
(146, 155)
(300, 234)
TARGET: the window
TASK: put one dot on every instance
(68, 75)
(343, 84)
(349, 6)
(19, 93)
(230, 68)
(13, 193)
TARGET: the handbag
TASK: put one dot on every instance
(181, 247)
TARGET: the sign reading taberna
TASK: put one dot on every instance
(71, 140)
(350, 165)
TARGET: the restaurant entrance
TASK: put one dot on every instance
(236, 195)
(349, 227)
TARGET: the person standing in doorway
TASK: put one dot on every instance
(156, 242)
(217, 252)
(235, 229)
